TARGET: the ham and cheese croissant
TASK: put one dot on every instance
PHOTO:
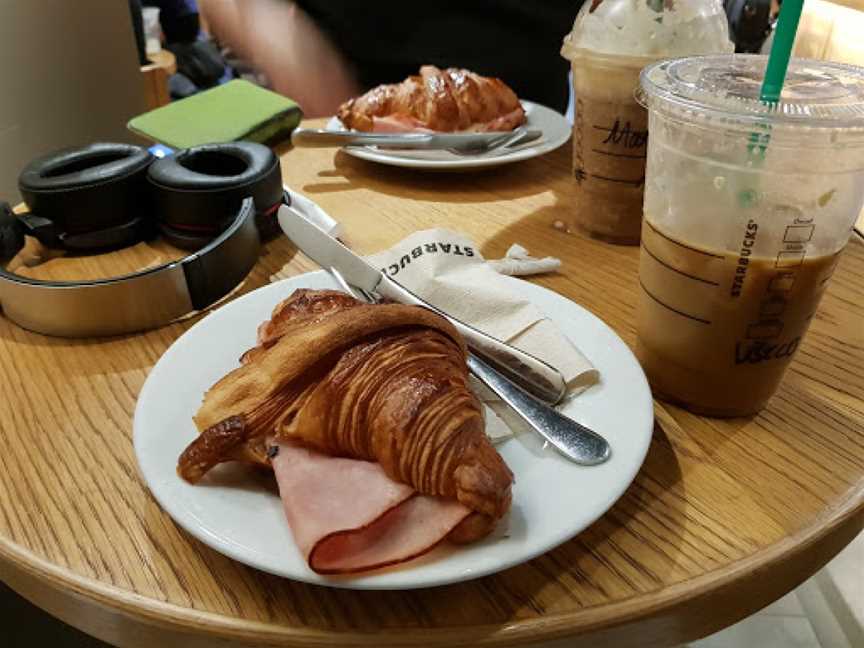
(383, 383)
(436, 100)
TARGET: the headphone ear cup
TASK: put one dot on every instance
(94, 187)
(11, 233)
(198, 190)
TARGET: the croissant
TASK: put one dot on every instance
(437, 100)
(384, 383)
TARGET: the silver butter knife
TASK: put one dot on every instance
(532, 374)
(573, 440)
(316, 137)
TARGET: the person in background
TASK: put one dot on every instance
(323, 52)
(178, 18)
(750, 22)
(199, 63)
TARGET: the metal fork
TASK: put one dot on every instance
(461, 144)
(517, 137)
(573, 440)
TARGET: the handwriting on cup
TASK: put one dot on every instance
(623, 134)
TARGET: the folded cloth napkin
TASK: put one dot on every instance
(447, 270)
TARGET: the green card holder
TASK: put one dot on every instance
(237, 110)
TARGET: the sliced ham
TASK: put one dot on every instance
(348, 516)
(506, 122)
(404, 124)
(398, 124)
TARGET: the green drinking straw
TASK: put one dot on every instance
(781, 50)
(772, 84)
(778, 64)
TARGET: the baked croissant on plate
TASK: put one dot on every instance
(436, 100)
(376, 399)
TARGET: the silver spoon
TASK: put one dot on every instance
(573, 440)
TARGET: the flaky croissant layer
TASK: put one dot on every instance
(437, 100)
(385, 383)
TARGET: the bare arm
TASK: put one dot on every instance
(283, 42)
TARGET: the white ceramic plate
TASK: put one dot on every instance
(238, 512)
(555, 127)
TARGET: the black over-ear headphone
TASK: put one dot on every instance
(94, 197)
(198, 190)
(216, 199)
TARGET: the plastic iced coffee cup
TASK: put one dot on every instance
(610, 138)
(609, 45)
(747, 209)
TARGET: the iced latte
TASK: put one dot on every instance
(747, 209)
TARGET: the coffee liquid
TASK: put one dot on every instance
(716, 330)
(610, 141)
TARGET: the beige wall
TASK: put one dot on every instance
(855, 4)
(831, 31)
(69, 75)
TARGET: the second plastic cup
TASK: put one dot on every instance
(610, 140)
(608, 46)
(747, 208)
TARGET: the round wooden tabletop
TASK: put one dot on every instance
(724, 517)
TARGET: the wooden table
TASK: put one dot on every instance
(725, 516)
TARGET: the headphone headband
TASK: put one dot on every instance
(138, 301)
(212, 199)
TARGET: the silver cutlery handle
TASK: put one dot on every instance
(573, 440)
(532, 374)
(321, 138)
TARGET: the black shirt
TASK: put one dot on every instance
(518, 41)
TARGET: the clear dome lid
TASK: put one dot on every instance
(648, 29)
(815, 94)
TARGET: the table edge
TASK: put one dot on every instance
(849, 517)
